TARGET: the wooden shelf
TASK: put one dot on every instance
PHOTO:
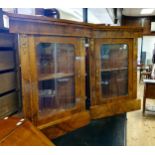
(55, 76)
(114, 69)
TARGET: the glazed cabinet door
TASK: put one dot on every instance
(57, 80)
(113, 69)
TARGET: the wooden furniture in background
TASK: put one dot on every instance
(144, 22)
(145, 72)
(52, 56)
(149, 91)
(20, 132)
(146, 75)
(8, 74)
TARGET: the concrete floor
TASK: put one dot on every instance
(141, 129)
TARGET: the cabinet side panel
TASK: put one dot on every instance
(135, 50)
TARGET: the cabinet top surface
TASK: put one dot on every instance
(43, 19)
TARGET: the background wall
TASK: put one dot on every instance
(95, 15)
(148, 46)
(148, 36)
(139, 50)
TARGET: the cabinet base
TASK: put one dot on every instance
(114, 108)
(66, 125)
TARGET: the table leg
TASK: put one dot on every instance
(144, 99)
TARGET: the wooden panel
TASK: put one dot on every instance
(70, 30)
(33, 90)
(82, 71)
(66, 124)
(134, 66)
(24, 58)
(48, 120)
(48, 26)
(8, 82)
(92, 70)
(10, 124)
(8, 104)
(114, 108)
(48, 29)
(6, 60)
(24, 134)
(144, 22)
(149, 90)
(116, 34)
(6, 40)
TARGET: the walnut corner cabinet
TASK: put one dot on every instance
(54, 71)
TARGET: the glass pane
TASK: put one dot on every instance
(114, 70)
(56, 71)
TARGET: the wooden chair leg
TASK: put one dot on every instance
(144, 99)
(144, 105)
(140, 76)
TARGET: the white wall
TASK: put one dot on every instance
(139, 49)
(148, 46)
(26, 11)
(95, 15)
(75, 14)
(100, 15)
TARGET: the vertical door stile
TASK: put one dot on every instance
(83, 72)
(34, 79)
(92, 64)
(25, 70)
(134, 46)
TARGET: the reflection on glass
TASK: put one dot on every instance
(56, 77)
(114, 70)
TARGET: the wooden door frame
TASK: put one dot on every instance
(97, 45)
(30, 75)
